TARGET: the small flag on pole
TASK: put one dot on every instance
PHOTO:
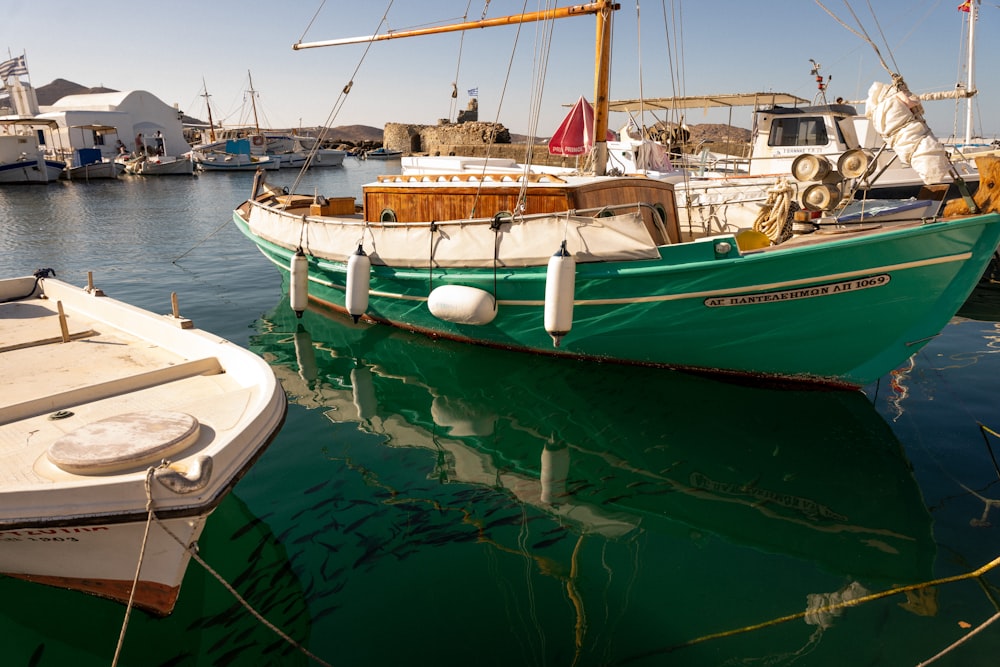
(13, 67)
(965, 6)
(474, 92)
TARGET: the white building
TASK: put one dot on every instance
(99, 120)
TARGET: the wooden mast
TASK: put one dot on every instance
(253, 103)
(211, 125)
(602, 68)
(601, 6)
(602, 83)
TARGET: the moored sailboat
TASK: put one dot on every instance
(596, 266)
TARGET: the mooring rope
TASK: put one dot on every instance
(192, 549)
(150, 516)
(854, 602)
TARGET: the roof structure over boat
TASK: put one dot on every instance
(706, 101)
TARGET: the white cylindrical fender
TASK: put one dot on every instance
(462, 304)
(560, 291)
(359, 271)
(298, 294)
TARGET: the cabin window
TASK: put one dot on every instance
(41, 137)
(798, 132)
(387, 215)
(98, 139)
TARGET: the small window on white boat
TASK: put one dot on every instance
(387, 215)
(798, 132)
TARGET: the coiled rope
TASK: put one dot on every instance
(775, 216)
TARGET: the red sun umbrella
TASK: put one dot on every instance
(575, 135)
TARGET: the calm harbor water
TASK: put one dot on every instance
(429, 503)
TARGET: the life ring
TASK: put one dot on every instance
(258, 140)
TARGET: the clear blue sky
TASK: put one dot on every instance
(169, 48)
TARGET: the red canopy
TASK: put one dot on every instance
(575, 135)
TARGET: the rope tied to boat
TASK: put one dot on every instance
(150, 517)
(775, 216)
(38, 275)
(192, 549)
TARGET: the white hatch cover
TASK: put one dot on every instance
(124, 441)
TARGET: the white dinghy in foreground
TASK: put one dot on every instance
(120, 431)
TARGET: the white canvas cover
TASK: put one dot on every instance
(897, 116)
(460, 243)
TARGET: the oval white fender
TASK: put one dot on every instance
(358, 284)
(462, 304)
(298, 293)
(194, 479)
(560, 288)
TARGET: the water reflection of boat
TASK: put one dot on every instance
(613, 451)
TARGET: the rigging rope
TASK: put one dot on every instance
(862, 34)
(341, 99)
(453, 110)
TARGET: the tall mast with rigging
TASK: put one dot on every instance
(602, 67)
(211, 125)
(253, 103)
(970, 83)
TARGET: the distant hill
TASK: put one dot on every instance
(50, 93)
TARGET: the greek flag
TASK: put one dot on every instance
(13, 67)
(474, 92)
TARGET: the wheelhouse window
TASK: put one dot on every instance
(798, 132)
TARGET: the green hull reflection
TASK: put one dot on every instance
(612, 451)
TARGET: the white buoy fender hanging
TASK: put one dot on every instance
(560, 288)
(462, 304)
(298, 294)
(358, 284)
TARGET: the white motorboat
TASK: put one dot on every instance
(121, 430)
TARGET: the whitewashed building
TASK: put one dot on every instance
(100, 120)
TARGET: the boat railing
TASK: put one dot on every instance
(658, 214)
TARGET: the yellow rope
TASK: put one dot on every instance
(833, 607)
(961, 641)
(774, 218)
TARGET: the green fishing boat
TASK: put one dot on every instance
(597, 266)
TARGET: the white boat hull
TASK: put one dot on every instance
(233, 162)
(31, 171)
(160, 166)
(106, 411)
(102, 559)
(94, 171)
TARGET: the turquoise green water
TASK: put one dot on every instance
(429, 503)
